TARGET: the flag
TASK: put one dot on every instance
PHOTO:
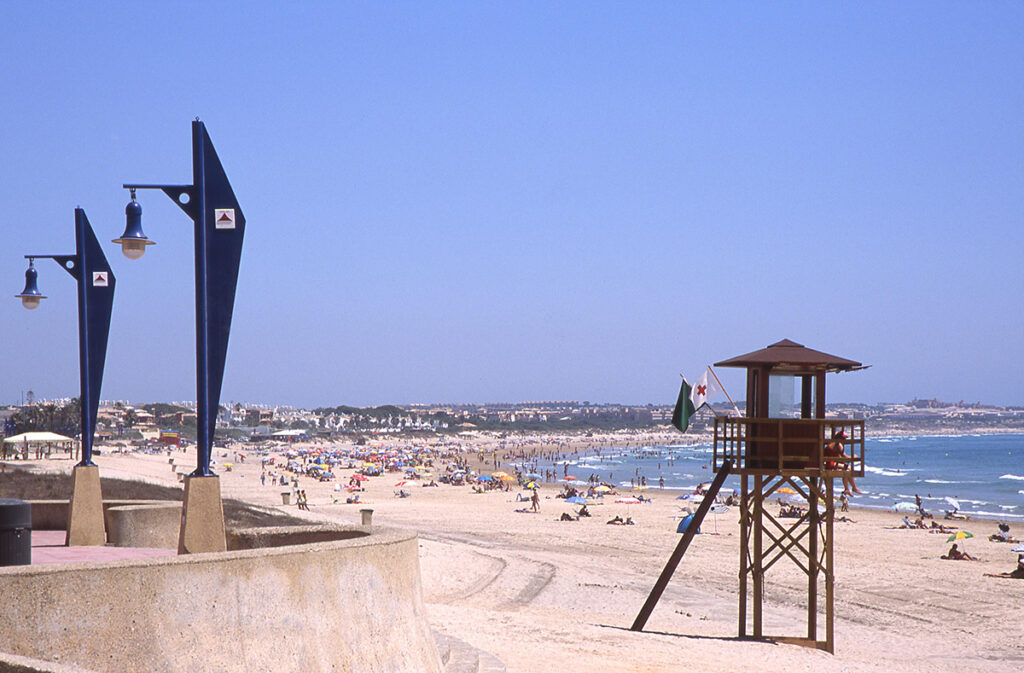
(684, 408)
(702, 390)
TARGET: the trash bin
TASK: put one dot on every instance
(367, 516)
(15, 532)
(286, 497)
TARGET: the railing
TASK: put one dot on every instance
(789, 446)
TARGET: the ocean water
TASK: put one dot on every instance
(985, 473)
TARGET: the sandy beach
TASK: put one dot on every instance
(548, 595)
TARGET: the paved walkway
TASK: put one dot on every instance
(48, 547)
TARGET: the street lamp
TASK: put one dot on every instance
(89, 267)
(133, 241)
(31, 296)
(219, 229)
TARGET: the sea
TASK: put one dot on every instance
(983, 474)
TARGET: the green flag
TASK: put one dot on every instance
(684, 408)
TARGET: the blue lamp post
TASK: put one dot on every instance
(90, 269)
(219, 229)
(95, 301)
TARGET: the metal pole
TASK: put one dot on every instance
(203, 439)
(85, 375)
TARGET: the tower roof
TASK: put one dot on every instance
(789, 356)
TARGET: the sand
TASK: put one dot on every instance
(546, 595)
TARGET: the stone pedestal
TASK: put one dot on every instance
(202, 517)
(85, 515)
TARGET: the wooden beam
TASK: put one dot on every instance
(744, 552)
(812, 561)
(684, 543)
(758, 570)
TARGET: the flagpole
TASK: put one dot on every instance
(735, 408)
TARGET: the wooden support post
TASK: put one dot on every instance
(812, 558)
(758, 562)
(677, 555)
(830, 574)
(806, 392)
(744, 550)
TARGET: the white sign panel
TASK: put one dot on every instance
(100, 279)
(224, 218)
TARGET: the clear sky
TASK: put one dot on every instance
(456, 202)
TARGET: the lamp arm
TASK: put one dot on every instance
(67, 262)
(176, 193)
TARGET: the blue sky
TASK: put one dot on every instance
(528, 201)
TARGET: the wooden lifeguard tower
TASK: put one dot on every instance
(779, 448)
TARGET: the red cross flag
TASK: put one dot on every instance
(703, 389)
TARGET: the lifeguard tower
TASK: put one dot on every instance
(778, 449)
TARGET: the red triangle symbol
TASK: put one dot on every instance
(224, 217)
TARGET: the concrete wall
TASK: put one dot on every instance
(53, 514)
(345, 605)
(154, 525)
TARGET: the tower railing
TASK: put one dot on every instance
(789, 446)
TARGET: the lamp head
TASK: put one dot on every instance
(31, 296)
(133, 241)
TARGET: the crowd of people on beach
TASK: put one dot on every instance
(432, 465)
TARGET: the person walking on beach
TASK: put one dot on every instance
(535, 501)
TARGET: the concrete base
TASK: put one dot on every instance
(85, 515)
(202, 517)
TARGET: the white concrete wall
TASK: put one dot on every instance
(341, 606)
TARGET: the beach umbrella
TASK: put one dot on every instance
(953, 502)
(401, 483)
(531, 476)
(532, 484)
(904, 507)
(577, 500)
(786, 489)
(959, 535)
(570, 478)
(485, 478)
(507, 477)
(627, 501)
(602, 489)
(715, 510)
(1019, 549)
(499, 475)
